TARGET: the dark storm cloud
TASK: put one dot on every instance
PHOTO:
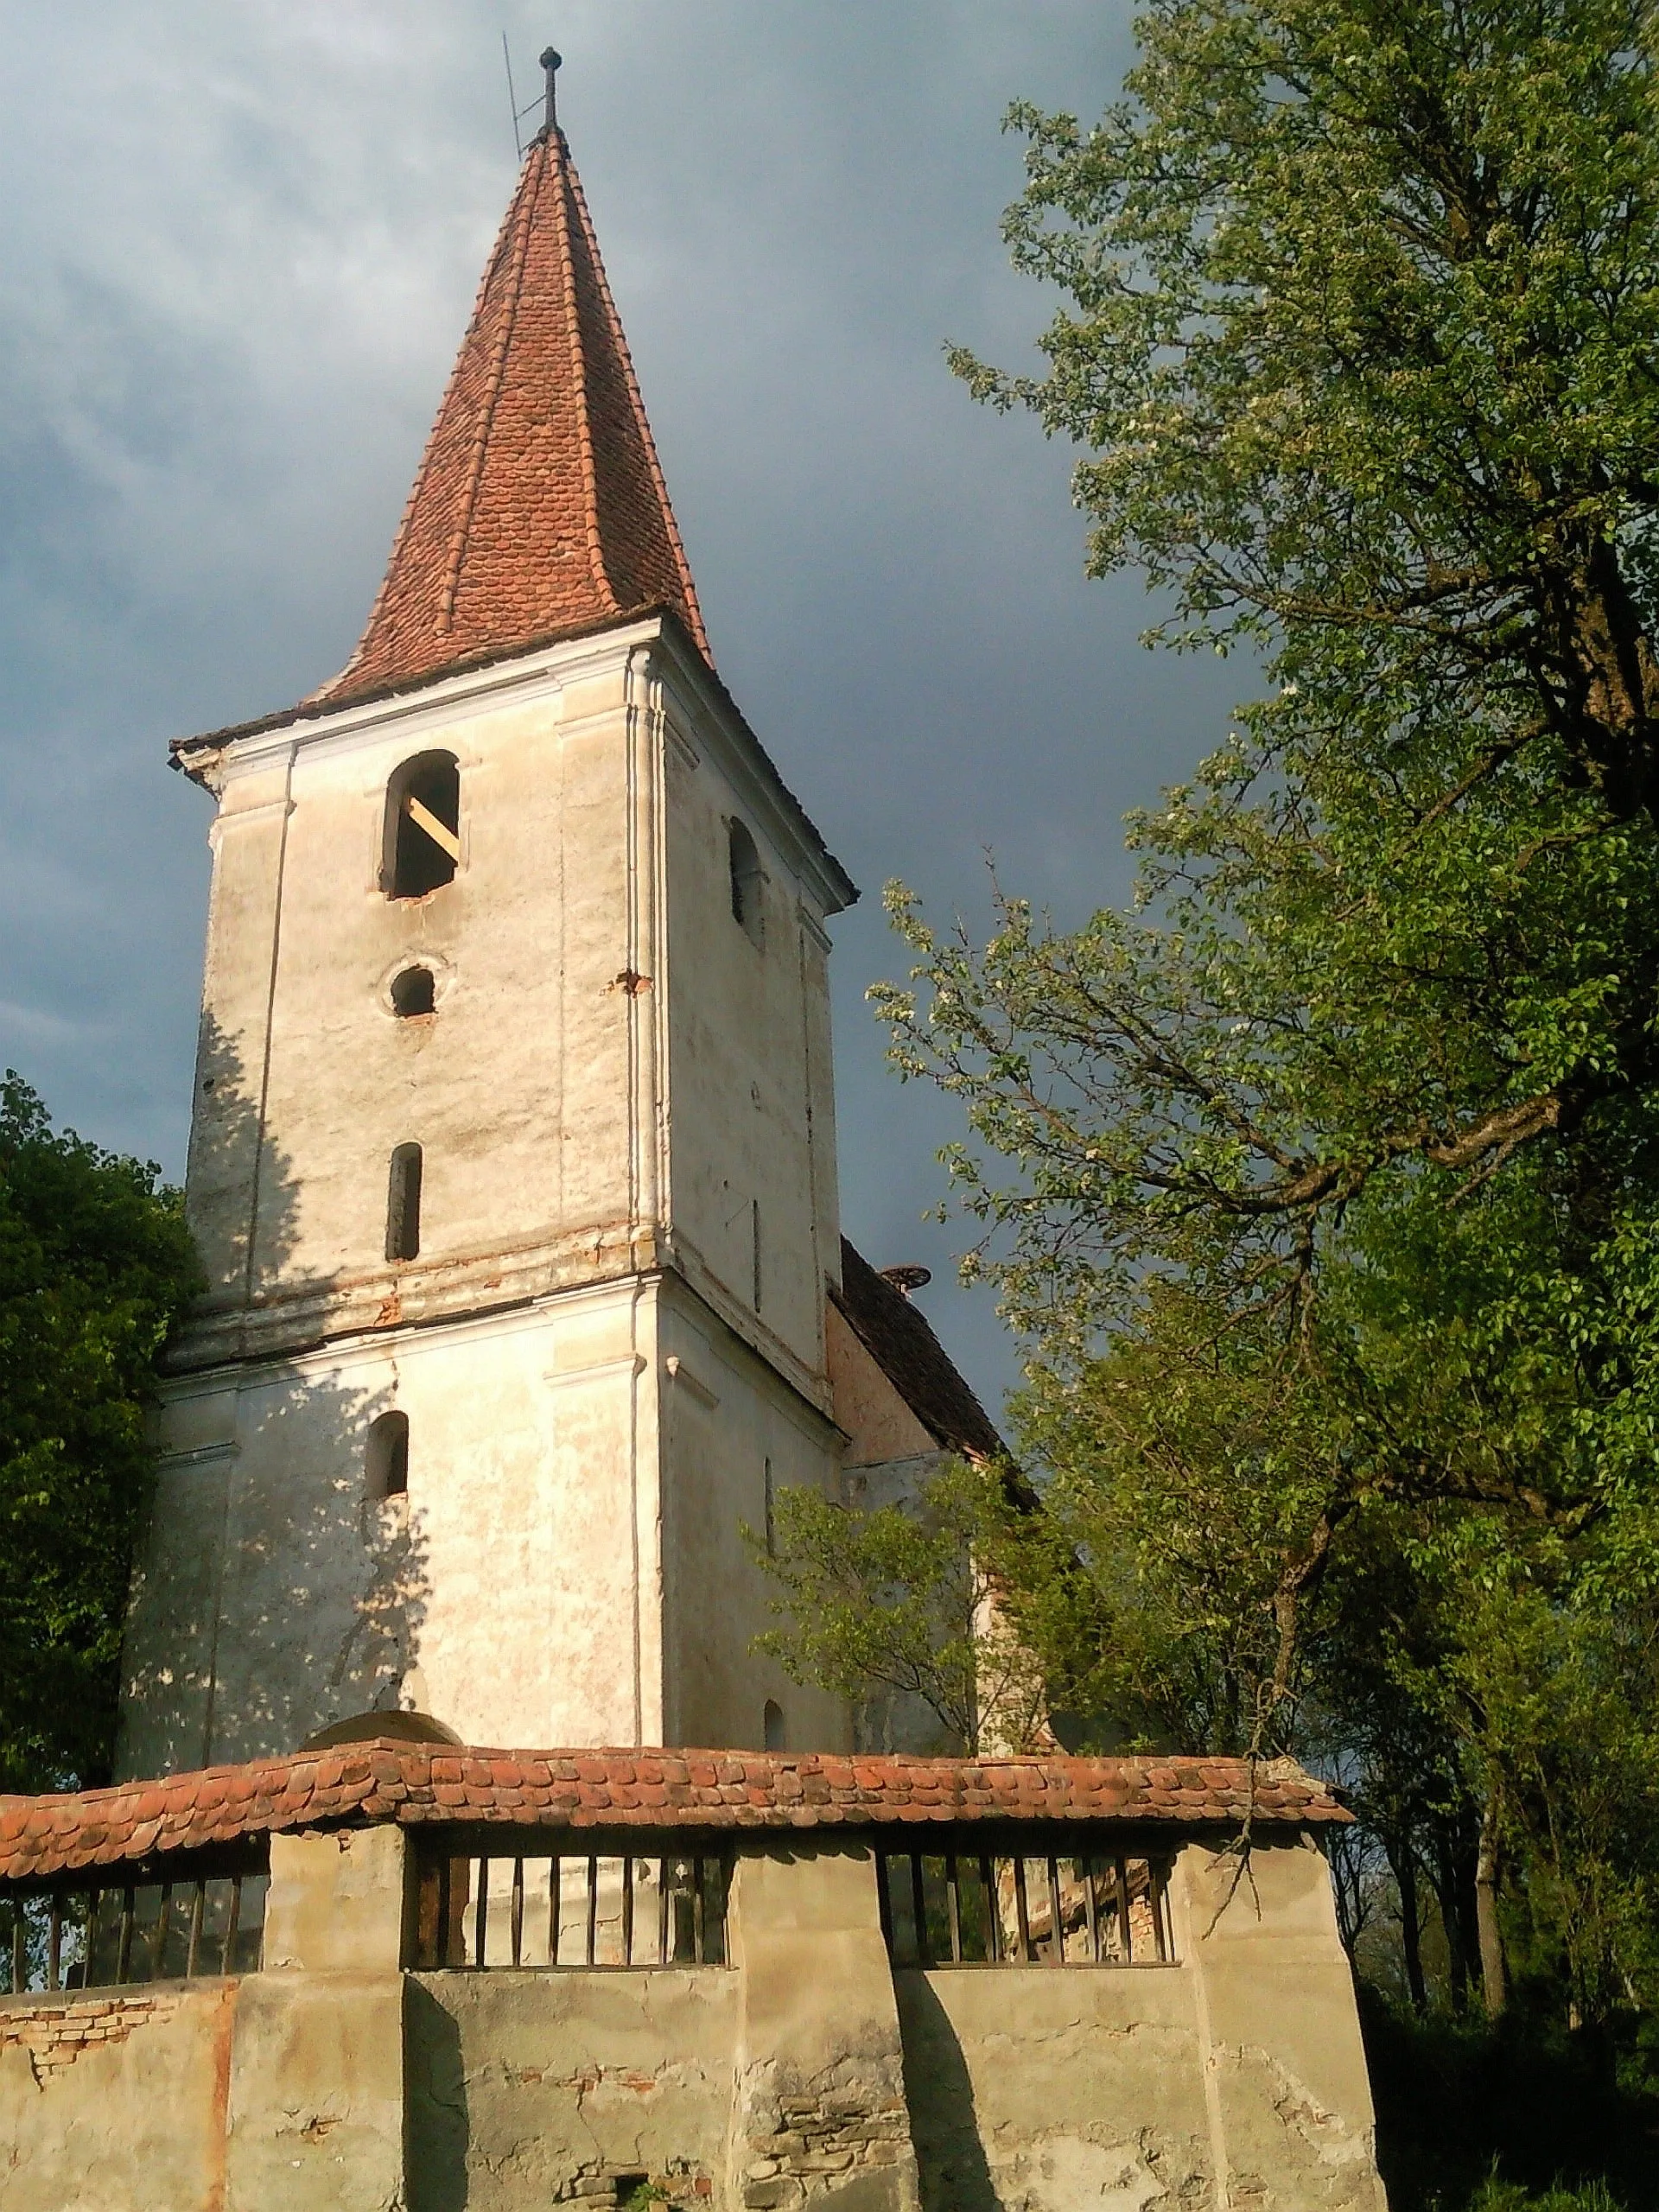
(241, 249)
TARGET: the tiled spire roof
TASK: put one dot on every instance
(540, 508)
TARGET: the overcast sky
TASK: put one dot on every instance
(241, 242)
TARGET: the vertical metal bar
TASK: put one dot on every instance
(517, 1911)
(555, 1909)
(1022, 1917)
(884, 1898)
(1086, 1867)
(918, 1908)
(164, 1924)
(662, 1911)
(696, 1911)
(227, 1951)
(446, 1906)
(94, 1899)
(992, 1913)
(193, 1950)
(1122, 1866)
(481, 1917)
(1158, 1889)
(1056, 1926)
(16, 1947)
(124, 1947)
(627, 1909)
(54, 1944)
(953, 1901)
(593, 1907)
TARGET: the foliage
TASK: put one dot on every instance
(1323, 1185)
(95, 1263)
(901, 1599)
(1519, 2118)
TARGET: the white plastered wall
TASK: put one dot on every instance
(602, 1069)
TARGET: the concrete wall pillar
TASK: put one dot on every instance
(1285, 2090)
(315, 2118)
(819, 2116)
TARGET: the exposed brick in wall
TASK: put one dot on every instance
(55, 2036)
(597, 2187)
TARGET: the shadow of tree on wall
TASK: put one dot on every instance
(437, 2131)
(274, 1594)
(939, 2091)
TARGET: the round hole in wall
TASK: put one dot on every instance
(413, 992)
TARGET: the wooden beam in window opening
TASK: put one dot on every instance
(440, 832)
(422, 848)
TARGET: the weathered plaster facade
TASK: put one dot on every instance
(616, 1320)
(805, 2076)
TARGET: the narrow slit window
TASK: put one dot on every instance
(746, 880)
(386, 1462)
(772, 1722)
(403, 1205)
(422, 831)
(414, 992)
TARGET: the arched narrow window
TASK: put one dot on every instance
(773, 1724)
(422, 831)
(746, 880)
(414, 992)
(386, 1462)
(403, 1205)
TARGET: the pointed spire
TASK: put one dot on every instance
(539, 509)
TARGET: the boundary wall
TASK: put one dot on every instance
(810, 2059)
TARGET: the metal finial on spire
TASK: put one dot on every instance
(551, 59)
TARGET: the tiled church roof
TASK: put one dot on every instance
(412, 1783)
(539, 508)
(897, 1336)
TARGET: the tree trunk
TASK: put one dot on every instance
(1493, 1983)
(1456, 1857)
(1404, 1861)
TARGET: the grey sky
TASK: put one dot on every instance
(241, 245)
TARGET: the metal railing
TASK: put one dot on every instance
(557, 1911)
(1093, 1910)
(107, 1938)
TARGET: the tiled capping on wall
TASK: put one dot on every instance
(161, 1923)
(559, 1910)
(994, 1909)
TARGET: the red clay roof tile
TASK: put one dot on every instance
(414, 1784)
(539, 506)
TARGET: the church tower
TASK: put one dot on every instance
(512, 1162)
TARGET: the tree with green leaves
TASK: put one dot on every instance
(1324, 1186)
(95, 1266)
(897, 1607)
